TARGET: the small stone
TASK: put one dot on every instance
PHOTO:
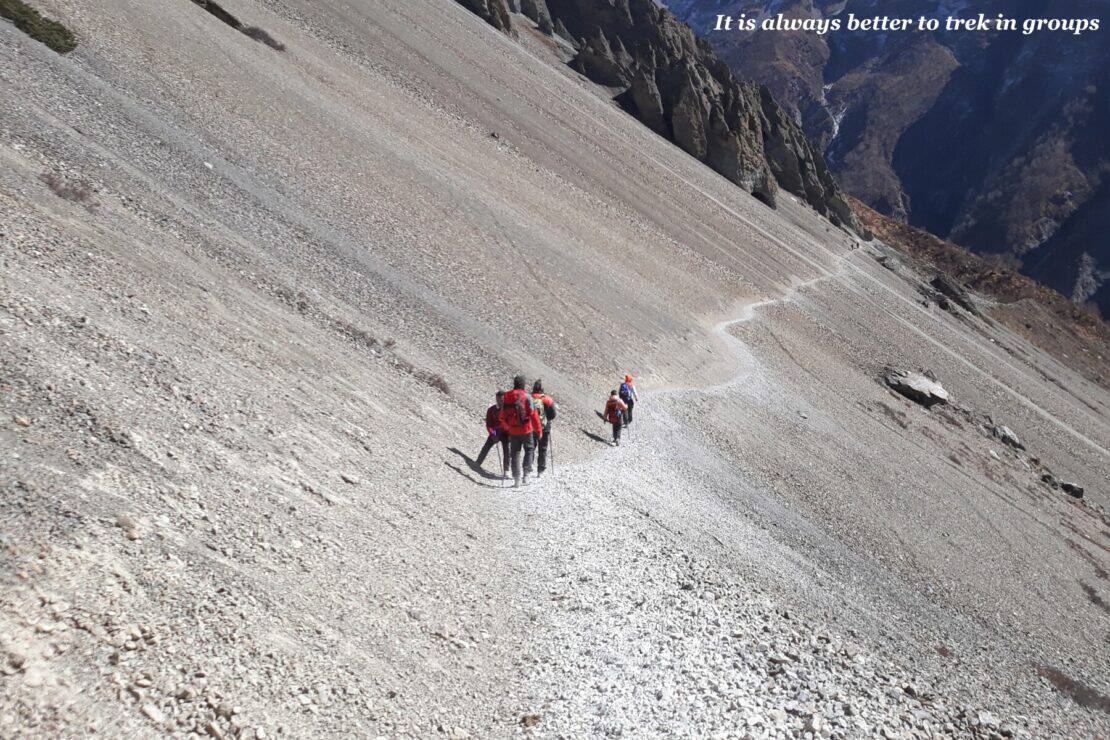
(22, 421)
(986, 719)
(348, 478)
(154, 714)
(814, 723)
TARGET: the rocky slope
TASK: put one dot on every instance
(255, 299)
(677, 87)
(1072, 333)
(989, 139)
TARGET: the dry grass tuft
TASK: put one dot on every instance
(76, 192)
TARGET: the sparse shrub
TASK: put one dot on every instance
(297, 300)
(386, 350)
(27, 19)
(359, 335)
(77, 192)
(259, 34)
(437, 382)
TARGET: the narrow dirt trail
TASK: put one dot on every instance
(653, 619)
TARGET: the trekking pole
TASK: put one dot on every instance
(500, 463)
(551, 452)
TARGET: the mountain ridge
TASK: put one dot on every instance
(674, 84)
(987, 139)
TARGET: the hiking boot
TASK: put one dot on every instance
(539, 474)
(526, 481)
(516, 482)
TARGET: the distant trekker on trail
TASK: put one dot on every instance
(497, 433)
(520, 419)
(615, 409)
(629, 396)
(546, 409)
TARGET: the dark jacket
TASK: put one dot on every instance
(493, 420)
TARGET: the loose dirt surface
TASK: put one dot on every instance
(242, 381)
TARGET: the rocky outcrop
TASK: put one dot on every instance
(954, 291)
(493, 12)
(1072, 489)
(538, 12)
(676, 85)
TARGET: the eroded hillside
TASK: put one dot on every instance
(256, 299)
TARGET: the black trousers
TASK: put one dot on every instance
(519, 443)
(541, 449)
(617, 431)
(491, 440)
(628, 412)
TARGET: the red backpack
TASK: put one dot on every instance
(518, 413)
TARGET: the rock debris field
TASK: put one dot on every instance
(255, 300)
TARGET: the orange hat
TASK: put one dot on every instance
(627, 378)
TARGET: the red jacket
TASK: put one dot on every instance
(518, 415)
(614, 410)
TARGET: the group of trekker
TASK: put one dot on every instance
(521, 424)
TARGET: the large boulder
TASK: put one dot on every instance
(1008, 437)
(917, 387)
(1072, 489)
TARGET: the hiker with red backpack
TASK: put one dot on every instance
(546, 410)
(629, 396)
(615, 410)
(518, 415)
(496, 433)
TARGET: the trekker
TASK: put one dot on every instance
(629, 396)
(546, 409)
(615, 410)
(497, 434)
(520, 419)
